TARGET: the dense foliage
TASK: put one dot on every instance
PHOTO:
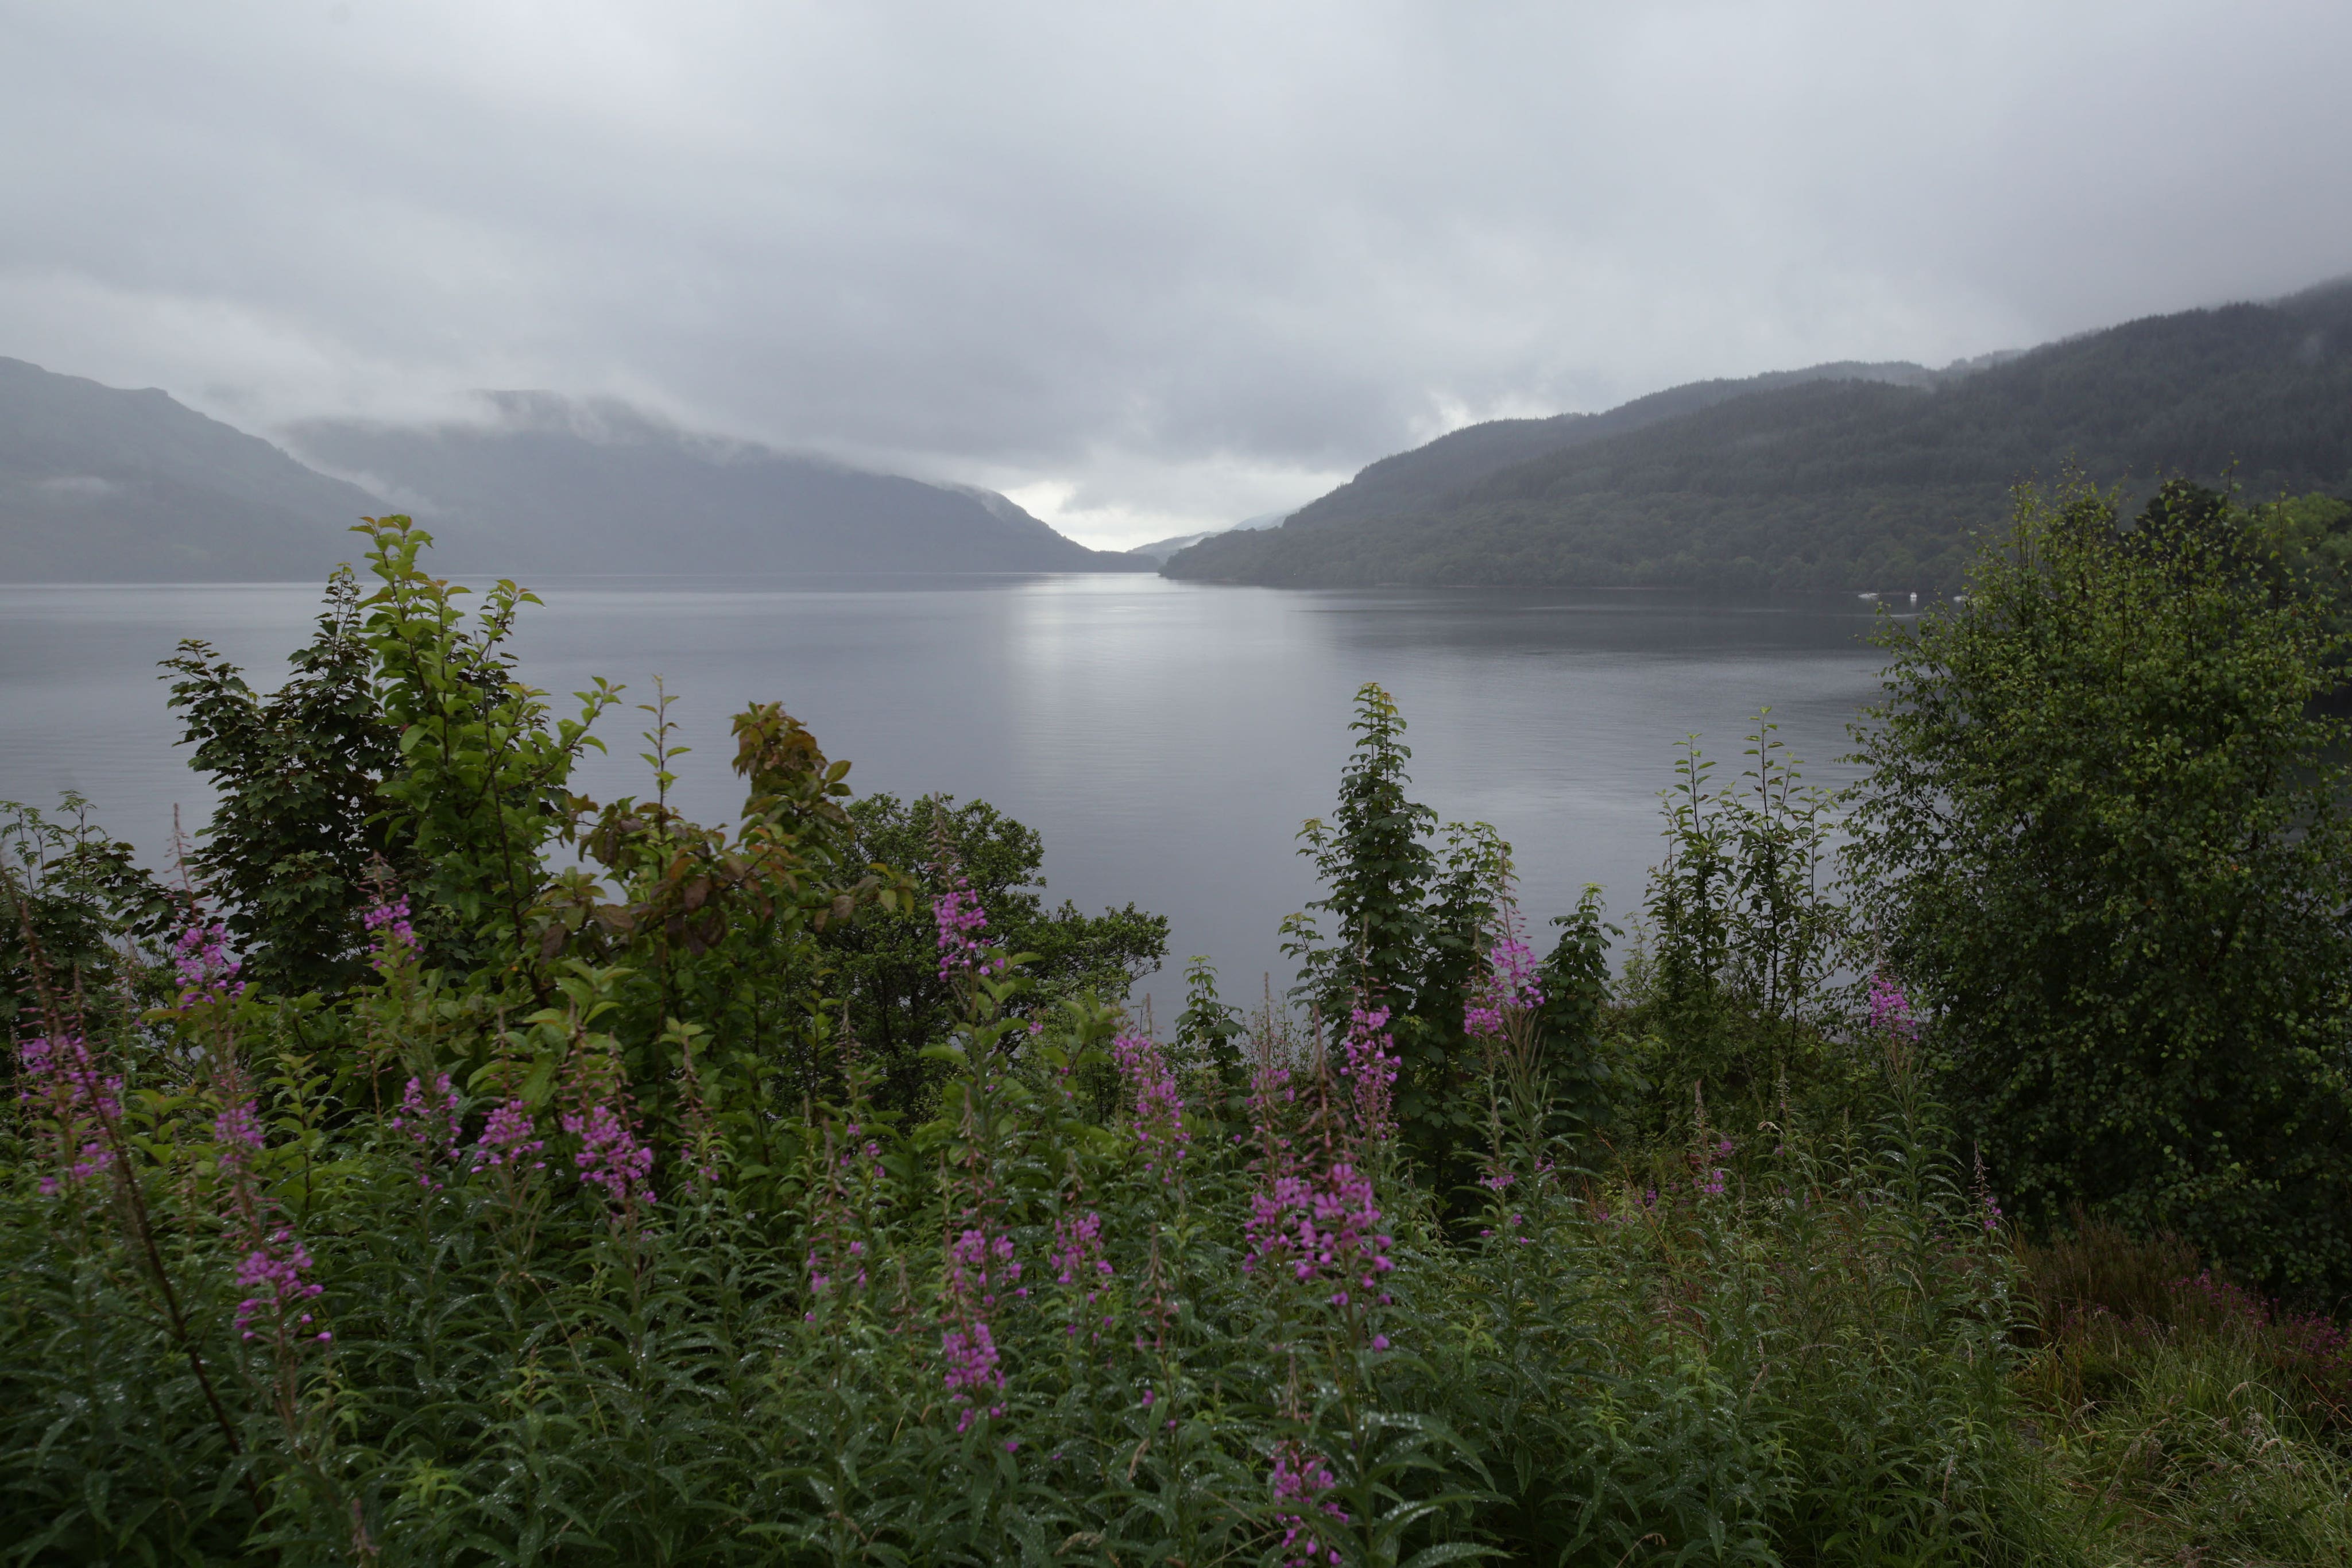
(526, 1179)
(886, 961)
(1409, 925)
(291, 851)
(2103, 833)
(1851, 483)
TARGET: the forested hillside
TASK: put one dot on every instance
(1852, 477)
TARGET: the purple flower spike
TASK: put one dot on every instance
(1159, 1107)
(60, 1077)
(1890, 1009)
(271, 1277)
(207, 974)
(1371, 1067)
(1510, 985)
(1301, 1480)
(388, 928)
(961, 921)
(507, 1140)
(428, 1115)
(610, 1155)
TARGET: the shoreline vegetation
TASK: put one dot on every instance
(437, 1167)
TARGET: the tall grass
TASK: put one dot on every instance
(2190, 1421)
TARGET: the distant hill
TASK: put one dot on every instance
(98, 484)
(1861, 476)
(102, 485)
(1159, 550)
(550, 485)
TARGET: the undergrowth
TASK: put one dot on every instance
(247, 1314)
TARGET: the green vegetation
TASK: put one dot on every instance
(1866, 481)
(455, 1170)
(2103, 835)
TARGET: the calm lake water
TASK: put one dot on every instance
(1167, 738)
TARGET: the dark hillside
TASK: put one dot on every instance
(1415, 479)
(1848, 484)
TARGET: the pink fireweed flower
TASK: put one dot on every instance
(978, 1266)
(610, 1155)
(836, 1261)
(1301, 1481)
(390, 934)
(1077, 1257)
(1890, 1009)
(207, 974)
(1509, 984)
(1325, 1229)
(238, 1133)
(507, 1141)
(1158, 1125)
(971, 1366)
(1079, 1266)
(960, 921)
(239, 1127)
(60, 1076)
(1370, 1063)
(271, 1275)
(1271, 1093)
(428, 1116)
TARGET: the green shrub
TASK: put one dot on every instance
(2103, 836)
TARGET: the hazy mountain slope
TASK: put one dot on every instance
(98, 484)
(1851, 484)
(555, 485)
(1159, 550)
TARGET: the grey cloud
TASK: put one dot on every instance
(1170, 265)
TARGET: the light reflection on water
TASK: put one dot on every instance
(1167, 738)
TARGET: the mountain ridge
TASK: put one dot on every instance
(1834, 481)
(107, 483)
(552, 483)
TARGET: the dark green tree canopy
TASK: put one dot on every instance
(300, 820)
(2104, 837)
(888, 960)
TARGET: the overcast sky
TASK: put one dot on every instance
(1147, 268)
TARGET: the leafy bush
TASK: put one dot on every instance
(887, 961)
(1733, 991)
(2104, 835)
(1409, 925)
